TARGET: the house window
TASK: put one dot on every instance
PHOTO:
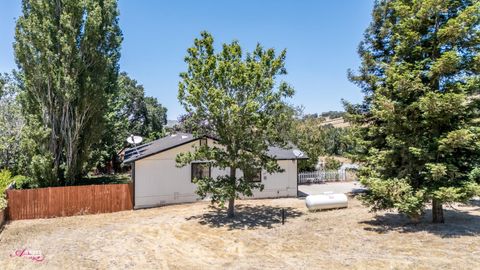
(255, 176)
(200, 170)
(203, 142)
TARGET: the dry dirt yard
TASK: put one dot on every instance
(196, 236)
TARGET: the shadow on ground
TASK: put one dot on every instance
(246, 217)
(457, 223)
(301, 194)
(475, 202)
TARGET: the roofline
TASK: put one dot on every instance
(292, 158)
(163, 150)
(166, 149)
(189, 141)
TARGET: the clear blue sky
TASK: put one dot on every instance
(321, 38)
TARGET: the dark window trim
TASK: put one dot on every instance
(205, 162)
(203, 141)
(260, 177)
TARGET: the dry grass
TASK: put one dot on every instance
(195, 236)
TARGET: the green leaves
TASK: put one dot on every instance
(234, 94)
(67, 54)
(419, 116)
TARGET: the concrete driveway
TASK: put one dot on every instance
(335, 187)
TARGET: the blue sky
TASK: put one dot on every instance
(321, 38)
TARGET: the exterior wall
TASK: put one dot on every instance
(158, 181)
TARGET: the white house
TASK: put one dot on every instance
(157, 181)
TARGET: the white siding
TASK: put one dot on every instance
(158, 181)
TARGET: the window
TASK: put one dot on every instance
(255, 176)
(203, 142)
(200, 170)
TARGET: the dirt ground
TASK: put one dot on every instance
(196, 236)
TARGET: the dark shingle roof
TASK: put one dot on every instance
(174, 140)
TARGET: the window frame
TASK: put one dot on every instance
(259, 173)
(200, 163)
(203, 142)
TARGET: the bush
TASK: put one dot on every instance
(23, 182)
(331, 164)
(6, 180)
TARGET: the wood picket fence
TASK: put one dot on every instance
(68, 201)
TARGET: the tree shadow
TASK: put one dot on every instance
(474, 202)
(457, 223)
(246, 217)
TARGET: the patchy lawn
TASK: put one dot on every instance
(197, 236)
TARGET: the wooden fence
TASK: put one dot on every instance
(68, 201)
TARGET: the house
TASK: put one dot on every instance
(157, 180)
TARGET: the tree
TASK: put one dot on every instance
(186, 123)
(129, 112)
(416, 126)
(332, 164)
(11, 123)
(316, 139)
(239, 98)
(67, 53)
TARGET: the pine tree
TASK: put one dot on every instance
(418, 124)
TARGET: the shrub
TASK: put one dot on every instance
(332, 164)
(5, 180)
(23, 182)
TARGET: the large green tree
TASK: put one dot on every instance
(11, 123)
(418, 125)
(67, 52)
(238, 96)
(129, 112)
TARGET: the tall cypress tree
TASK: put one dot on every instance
(418, 124)
(67, 52)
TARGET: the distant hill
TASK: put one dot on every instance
(335, 122)
(171, 123)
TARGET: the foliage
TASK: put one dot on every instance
(316, 139)
(67, 54)
(11, 123)
(332, 114)
(237, 95)
(6, 179)
(332, 164)
(416, 129)
(105, 179)
(129, 112)
(187, 124)
(24, 182)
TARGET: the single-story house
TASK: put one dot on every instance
(158, 181)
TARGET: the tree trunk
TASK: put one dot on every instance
(437, 212)
(231, 201)
(231, 208)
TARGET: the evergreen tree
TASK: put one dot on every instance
(418, 125)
